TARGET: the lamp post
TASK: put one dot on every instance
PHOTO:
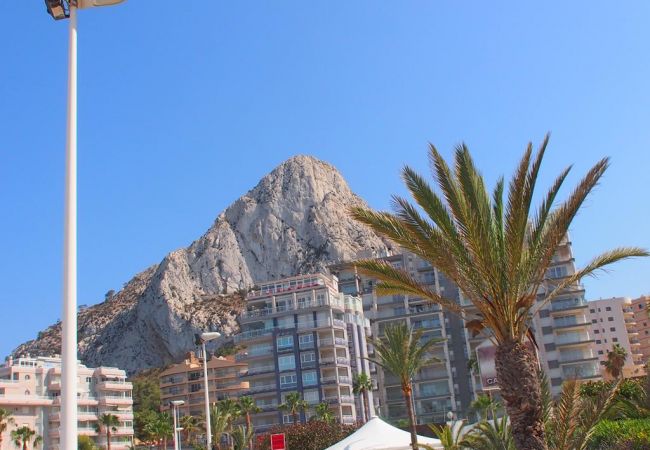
(175, 404)
(67, 9)
(201, 339)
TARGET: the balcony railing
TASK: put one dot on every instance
(254, 334)
(563, 305)
(261, 369)
(262, 388)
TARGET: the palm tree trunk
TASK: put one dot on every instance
(249, 427)
(108, 439)
(517, 373)
(295, 417)
(24, 445)
(366, 405)
(408, 396)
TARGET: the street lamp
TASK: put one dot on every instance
(62, 9)
(201, 339)
(176, 404)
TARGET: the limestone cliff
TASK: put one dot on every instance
(294, 221)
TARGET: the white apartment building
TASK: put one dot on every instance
(612, 322)
(30, 390)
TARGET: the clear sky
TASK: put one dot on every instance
(184, 106)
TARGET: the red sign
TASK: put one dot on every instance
(278, 442)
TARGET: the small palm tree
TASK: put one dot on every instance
(451, 436)
(5, 420)
(160, 429)
(362, 384)
(247, 406)
(403, 353)
(324, 413)
(493, 435)
(190, 425)
(497, 251)
(483, 405)
(241, 436)
(615, 361)
(293, 404)
(108, 423)
(23, 435)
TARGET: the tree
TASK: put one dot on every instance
(190, 425)
(247, 407)
(362, 384)
(160, 429)
(312, 435)
(23, 435)
(142, 424)
(85, 442)
(324, 413)
(108, 423)
(5, 420)
(493, 435)
(222, 416)
(403, 353)
(497, 252)
(451, 436)
(483, 405)
(293, 404)
(615, 361)
(242, 436)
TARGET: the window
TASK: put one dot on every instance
(307, 357)
(311, 396)
(309, 378)
(610, 319)
(556, 272)
(612, 329)
(608, 308)
(288, 381)
(592, 311)
(596, 331)
(287, 362)
(615, 339)
(594, 321)
(285, 342)
(306, 341)
(287, 418)
(27, 377)
(600, 352)
(598, 341)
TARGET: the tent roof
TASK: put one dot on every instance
(378, 435)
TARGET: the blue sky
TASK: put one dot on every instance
(184, 106)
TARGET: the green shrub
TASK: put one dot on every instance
(621, 435)
(314, 435)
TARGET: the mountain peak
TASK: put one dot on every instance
(294, 221)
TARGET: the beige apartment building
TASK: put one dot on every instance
(184, 381)
(30, 389)
(641, 309)
(613, 322)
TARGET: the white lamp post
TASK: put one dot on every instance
(201, 340)
(62, 9)
(176, 404)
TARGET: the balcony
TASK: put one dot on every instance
(329, 342)
(118, 401)
(573, 340)
(348, 420)
(261, 369)
(25, 400)
(260, 352)
(565, 324)
(566, 305)
(339, 361)
(262, 388)
(115, 385)
(577, 357)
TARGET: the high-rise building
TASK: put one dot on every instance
(302, 335)
(612, 322)
(184, 381)
(641, 309)
(561, 327)
(30, 390)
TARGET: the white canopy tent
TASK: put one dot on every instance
(378, 435)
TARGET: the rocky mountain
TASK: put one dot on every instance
(293, 222)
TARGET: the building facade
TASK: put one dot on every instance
(30, 390)
(641, 309)
(302, 335)
(184, 381)
(561, 327)
(613, 322)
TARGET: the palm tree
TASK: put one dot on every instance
(362, 384)
(451, 436)
(324, 413)
(85, 442)
(222, 416)
(23, 435)
(109, 423)
(497, 253)
(293, 404)
(190, 425)
(483, 405)
(5, 420)
(241, 436)
(615, 361)
(494, 435)
(403, 353)
(247, 407)
(160, 429)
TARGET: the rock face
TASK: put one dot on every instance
(293, 222)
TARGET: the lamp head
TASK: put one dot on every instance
(210, 336)
(177, 403)
(58, 9)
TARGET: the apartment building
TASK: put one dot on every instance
(562, 326)
(184, 381)
(302, 335)
(30, 389)
(641, 309)
(441, 387)
(613, 322)
(562, 329)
